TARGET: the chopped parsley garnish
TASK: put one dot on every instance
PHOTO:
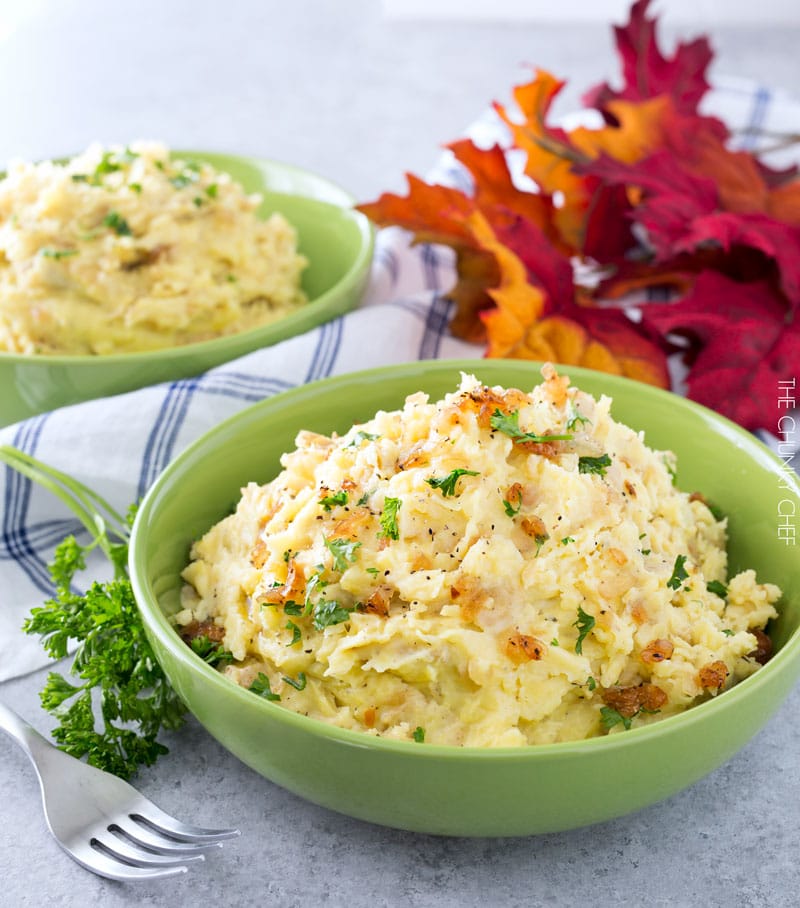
(567, 539)
(297, 634)
(679, 573)
(584, 623)
(717, 513)
(719, 589)
(512, 507)
(343, 551)
(328, 612)
(389, 527)
(575, 418)
(315, 582)
(591, 683)
(373, 570)
(610, 717)
(669, 466)
(597, 465)
(447, 484)
(727, 631)
(418, 734)
(182, 180)
(210, 652)
(292, 608)
(330, 501)
(211, 190)
(262, 688)
(117, 223)
(360, 436)
(135, 187)
(299, 684)
(508, 424)
(57, 253)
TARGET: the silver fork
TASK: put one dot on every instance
(104, 823)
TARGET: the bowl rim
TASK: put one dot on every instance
(781, 662)
(352, 276)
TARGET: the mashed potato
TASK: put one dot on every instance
(127, 249)
(496, 568)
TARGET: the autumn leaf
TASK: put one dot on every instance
(741, 346)
(647, 195)
(648, 73)
(439, 214)
(553, 157)
(683, 213)
(541, 319)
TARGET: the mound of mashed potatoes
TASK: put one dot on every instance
(129, 249)
(496, 568)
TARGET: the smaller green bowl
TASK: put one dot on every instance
(469, 791)
(336, 239)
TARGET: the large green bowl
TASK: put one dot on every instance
(336, 239)
(469, 791)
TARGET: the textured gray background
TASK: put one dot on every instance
(337, 88)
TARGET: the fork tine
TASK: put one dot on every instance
(102, 864)
(145, 837)
(127, 853)
(153, 817)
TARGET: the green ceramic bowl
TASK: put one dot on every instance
(336, 239)
(469, 791)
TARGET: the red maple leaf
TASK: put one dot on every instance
(648, 73)
(684, 214)
(742, 344)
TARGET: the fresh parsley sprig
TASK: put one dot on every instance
(447, 484)
(597, 465)
(114, 670)
(508, 424)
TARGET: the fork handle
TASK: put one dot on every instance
(25, 735)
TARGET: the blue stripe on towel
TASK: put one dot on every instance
(15, 541)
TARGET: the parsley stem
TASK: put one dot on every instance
(93, 511)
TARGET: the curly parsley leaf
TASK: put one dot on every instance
(114, 670)
(447, 484)
(328, 612)
(297, 634)
(343, 551)
(584, 623)
(508, 424)
(262, 688)
(330, 501)
(419, 734)
(117, 223)
(575, 418)
(389, 528)
(210, 652)
(597, 465)
(717, 588)
(679, 573)
(360, 436)
(610, 717)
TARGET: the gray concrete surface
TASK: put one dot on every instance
(337, 88)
